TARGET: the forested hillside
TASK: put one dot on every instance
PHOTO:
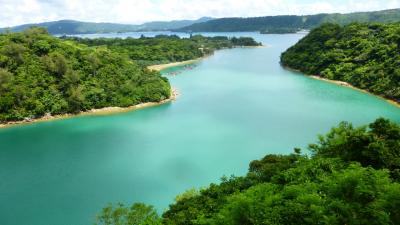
(364, 55)
(290, 23)
(79, 27)
(41, 74)
(165, 49)
(76, 27)
(351, 178)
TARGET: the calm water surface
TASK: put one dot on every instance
(235, 106)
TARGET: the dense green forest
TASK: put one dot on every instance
(278, 24)
(41, 74)
(364, 55)
(165, 49)
(79, 27)
(351, 177)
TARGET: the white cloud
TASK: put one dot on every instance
(14, 12)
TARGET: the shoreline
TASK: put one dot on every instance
(93, 112)
(344, 84)
(112, 110)
(160, 67)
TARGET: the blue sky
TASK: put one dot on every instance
(14, 12)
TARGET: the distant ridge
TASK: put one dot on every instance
(79, 27)
(267, 24)
(290, 23)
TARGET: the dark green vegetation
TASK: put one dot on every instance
(78, 27)
(364, 55)
(351, 178)
(280, 23)
(41, 74)
(268, 24)
(166, 49)
(137, 214)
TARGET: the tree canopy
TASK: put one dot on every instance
(166, 49)
(290, 23)
(42, 74)
(346, 180)
(364, 55)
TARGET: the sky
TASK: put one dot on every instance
(16, 12)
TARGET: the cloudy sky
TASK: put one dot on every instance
(15, 12)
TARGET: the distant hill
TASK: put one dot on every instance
(170, 25)
(267, 24)
(78, 27)
(280, 24)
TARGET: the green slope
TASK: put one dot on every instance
(289, 23)
(364, 55)
(78, 27)
(41, 74)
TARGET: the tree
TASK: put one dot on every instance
(364, 55)
(137, 214)
(5, 78)
(378, 146)
(15, 51)
(60, 64)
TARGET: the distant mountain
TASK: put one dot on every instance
(171, 25)
(78, 27)
(278, 24)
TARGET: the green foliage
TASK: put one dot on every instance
(78, 27)
(290, 24)
(191, 193)
(364, 55)
(378, 146)
(137, 214)
(353, 195)
(165, 49)
(41, 74)
(348, 180)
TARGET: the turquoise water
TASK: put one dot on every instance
(235, 106)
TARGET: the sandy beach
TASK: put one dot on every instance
(102, 111)
(169, 65)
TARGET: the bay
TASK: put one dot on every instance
(235, 106)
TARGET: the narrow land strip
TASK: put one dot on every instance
(160, 67)
(102, 111)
